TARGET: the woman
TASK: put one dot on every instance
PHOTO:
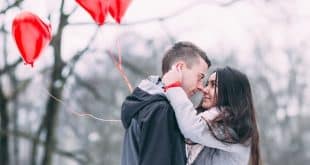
(225, 128)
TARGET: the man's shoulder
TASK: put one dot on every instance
(156, 109)
(160, 105)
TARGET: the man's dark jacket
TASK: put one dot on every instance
(152, 135)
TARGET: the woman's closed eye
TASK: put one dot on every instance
(211, 83)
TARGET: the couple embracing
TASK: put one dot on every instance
(164, 128)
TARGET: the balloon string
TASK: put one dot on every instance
(118, 64)
(120, 68)
(119, 52)
(79, 114)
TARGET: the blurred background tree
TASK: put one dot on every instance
(268, 40)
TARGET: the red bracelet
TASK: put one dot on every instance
(175, 84)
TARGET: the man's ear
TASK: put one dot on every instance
(180, 65)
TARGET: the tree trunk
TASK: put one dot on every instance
(52, 104)
(51, 121)
(15, 128)
(4, 138)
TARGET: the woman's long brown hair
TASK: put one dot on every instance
(234, 100)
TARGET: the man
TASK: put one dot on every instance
(152, 135)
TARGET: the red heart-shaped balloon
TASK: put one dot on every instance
(31, 35)
(118, 8)
(96, 8)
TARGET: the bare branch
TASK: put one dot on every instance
(164, 18)
(75, 155)
(171, 38)
(16, 3)
(89, 87)
(176, 13)
(7, 67)
(3, 30)
(74, 9)
(129, 65)
(10, 67)
(229, 3)
(72, 62)
(62, 6)
(22, 85)
(79, 54)
(93, 90)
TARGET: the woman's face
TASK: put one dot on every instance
(209, 92)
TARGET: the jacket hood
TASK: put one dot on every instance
(149, 90)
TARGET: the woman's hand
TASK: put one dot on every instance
(172, 76)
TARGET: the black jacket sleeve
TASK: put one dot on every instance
(158, 133)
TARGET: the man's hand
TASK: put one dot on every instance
(172, 76)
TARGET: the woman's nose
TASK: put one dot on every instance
(204, 90)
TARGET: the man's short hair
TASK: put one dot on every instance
(186, 51)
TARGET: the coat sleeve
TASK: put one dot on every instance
(193, 126)
(157, 136)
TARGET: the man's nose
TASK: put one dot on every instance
(200, 86)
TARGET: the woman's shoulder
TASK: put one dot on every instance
(210, 114)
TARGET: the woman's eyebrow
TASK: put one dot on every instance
(211, 81)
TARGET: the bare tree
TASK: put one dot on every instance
(58, 134)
